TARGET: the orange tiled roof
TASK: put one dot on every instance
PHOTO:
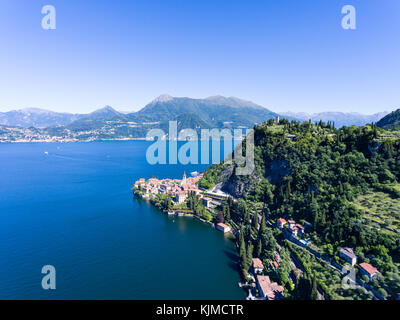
(222, 225)
(257, 263)
(368, 268)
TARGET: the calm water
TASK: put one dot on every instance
(74, 209)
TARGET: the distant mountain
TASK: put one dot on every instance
(103, 114)
(186, 121)
(391, 121)
(39, 118)
(340, 118)
(215, 111)
(97, 119)
(108, 123)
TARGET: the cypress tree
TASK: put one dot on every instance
(255, 220)
(259, 247)
(314, 290)
(242, 254)
(228, 213)
(263, 225)
(249, 257)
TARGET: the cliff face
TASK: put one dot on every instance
(241, 186)
(238, 186)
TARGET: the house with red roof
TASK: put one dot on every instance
(223, 227)
(269, 290)
(258, 266)
(281, 222)
(369, 270)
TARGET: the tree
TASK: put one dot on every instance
(268, 244)
(255, 221)
(242, 254)
(259, 247)
(314, 290)
(383, 292)
(249, 256)
(263, 225)
(227, 213)
(220, 218)
(303, 288)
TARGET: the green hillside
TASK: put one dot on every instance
(336, 180)
(391, 121)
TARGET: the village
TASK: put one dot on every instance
(176, 193)
(183, 197)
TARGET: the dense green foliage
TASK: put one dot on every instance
(211, 176)
(391, 121)
(316, 173)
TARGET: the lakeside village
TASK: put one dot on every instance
(182, 198)
(263, 278)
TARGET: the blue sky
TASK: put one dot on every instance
(284, 55)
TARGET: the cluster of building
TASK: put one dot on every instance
(177, 189)
(267, 289)
(293, 231)
(110, 130)
(367, 269)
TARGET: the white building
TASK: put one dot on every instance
(348, 255)
(206, 202)
(180, 197)
(223, 227)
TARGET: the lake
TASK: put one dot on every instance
(70, 205)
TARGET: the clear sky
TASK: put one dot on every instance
(284, 55)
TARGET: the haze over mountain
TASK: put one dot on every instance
(34, 117)
(108, 123)
(216, 111)
(340, 118)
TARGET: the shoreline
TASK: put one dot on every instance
(100, 140)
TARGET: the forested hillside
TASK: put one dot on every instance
(343, 184)
(391, 121)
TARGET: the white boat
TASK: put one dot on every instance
(171, 213)
(46, 153)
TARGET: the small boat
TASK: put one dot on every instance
(46, 153)
(171, 213)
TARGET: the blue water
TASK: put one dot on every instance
(74, 209)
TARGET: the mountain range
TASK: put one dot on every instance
(108, 123)
(216, 111)
(339, 118)
(38, 118)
